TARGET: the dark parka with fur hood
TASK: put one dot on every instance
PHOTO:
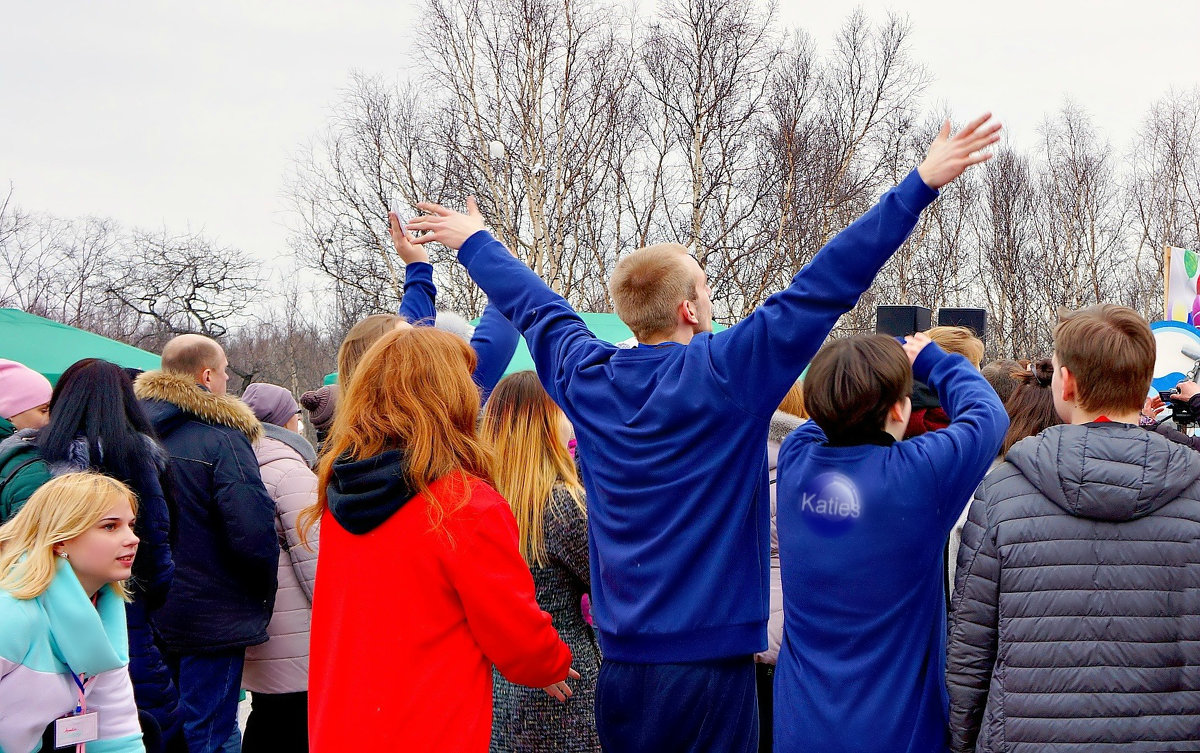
(1076, 622)
(226, 550)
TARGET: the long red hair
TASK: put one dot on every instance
(412, 391)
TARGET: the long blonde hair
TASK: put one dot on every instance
(529, 455)
(60, 510)
(411, 391)
(359, 340)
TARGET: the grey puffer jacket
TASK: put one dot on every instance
(1076, 610)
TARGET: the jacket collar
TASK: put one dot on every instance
(182, 391)
(877, 437)
(363, 494)
(293, 440)
(88, 639)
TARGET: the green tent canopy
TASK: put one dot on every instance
(607, 327)
(49, 347)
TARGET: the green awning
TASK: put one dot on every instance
(49, 347)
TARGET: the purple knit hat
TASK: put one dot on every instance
(321, 404)
(271, 403)
(21, 388)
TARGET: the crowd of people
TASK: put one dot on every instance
(669, 545)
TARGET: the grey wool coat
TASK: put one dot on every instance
(527, 720)
(1076, 608)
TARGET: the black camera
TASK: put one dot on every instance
(1182, 412)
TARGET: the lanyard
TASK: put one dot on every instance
(80, 707)
(82, 685)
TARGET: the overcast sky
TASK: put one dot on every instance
(188, 114)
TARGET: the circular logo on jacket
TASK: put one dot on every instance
(830, 504)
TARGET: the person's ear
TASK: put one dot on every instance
(897, 411)
(687, 313)
(1067, 379)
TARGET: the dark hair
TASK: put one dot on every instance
(1031, 406)
(853, 383)
(1001, 375)
(94, 400)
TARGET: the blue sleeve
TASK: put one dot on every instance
(558, 339)
(495, 341)
(770, 347)
(247, 512)
(153, 568)
(960, 454)
(419, 293)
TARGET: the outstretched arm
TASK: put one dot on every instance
(557, 337)
(771, 346)
(417, 304)
(495, 340)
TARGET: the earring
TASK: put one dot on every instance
(64, 555)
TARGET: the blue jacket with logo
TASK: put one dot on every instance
(862, 530)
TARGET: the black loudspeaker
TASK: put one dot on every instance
(973, 319)
(901, 321)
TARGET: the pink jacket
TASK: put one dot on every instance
(782, 424)
(281, 664)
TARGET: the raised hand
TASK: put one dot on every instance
(408, 251)
(949, 156)
(914, 344)
(561, 691)
(447, 227)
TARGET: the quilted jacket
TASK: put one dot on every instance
(1076, 609)
(281, 664)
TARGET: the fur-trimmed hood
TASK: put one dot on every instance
(182, 392)
(783, 424)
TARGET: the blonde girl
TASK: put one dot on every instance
(63, 648)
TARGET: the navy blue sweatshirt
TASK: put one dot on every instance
(674, 439)
(862, 530)
(494, 340)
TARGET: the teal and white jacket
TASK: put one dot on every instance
(39, 639)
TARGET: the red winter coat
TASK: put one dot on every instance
(407, 625)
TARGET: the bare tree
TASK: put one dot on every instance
(181, 283)
(1164, 190)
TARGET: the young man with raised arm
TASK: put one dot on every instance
(673, 435)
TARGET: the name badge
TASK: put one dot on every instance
(71, 730)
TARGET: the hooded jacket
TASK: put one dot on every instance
(47, 637)
(226, 550)
(408, 619)
(281, 664)
(21, 469)
(1076, 610)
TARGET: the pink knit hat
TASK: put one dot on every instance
(21, 388)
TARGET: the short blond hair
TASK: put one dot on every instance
(960, 340)
(60, 510)
(191, 354)
(648, 285)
